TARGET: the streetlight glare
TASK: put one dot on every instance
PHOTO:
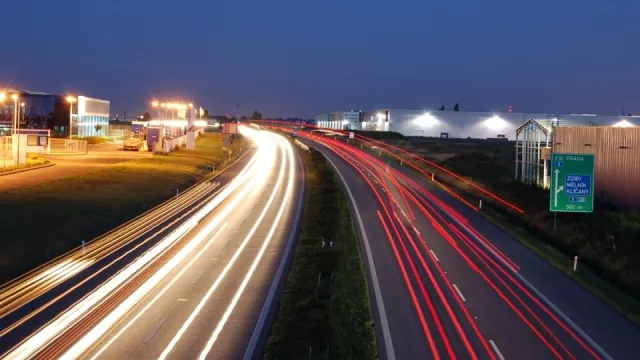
(71, 99)
(154, 103)
(22, 104)
(14, 97)
(3, 96)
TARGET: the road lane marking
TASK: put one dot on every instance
(495, 348)
(155, 330)
(386, 333)
(434, 255)
(459, 293)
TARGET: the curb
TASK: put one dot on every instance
(26, 169)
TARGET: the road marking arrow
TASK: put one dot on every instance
(557, 189)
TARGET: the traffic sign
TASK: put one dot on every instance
(350, 134)
(572, 182)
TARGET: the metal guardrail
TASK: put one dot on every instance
(301, 145)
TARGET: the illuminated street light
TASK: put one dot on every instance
(15, 98)
(3, 96)
(22, 111)
(71, 100)
(154, 103)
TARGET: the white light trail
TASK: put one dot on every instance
(257, 259)
(53, 329)
(232, 261)
(77, 352)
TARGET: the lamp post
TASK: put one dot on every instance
(23, 112)
(3, 97)
(15, 98)
(71, 100)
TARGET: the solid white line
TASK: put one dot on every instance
(495, 348)
(384, 323)
(434, 255)
(459, 293)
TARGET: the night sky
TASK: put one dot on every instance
(299, 58)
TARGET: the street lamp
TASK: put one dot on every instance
(23, 112)
(15, 98)
(71, 100)
(154, 103)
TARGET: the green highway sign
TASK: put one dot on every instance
(572, 182)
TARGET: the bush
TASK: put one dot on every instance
(94, 140)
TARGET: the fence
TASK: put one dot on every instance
(6, 153)
(67, 146)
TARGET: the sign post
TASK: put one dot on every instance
(572, 183)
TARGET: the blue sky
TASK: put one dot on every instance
(299, 58)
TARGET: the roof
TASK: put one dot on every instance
(26, 92)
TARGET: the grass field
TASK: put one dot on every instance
(42, 221)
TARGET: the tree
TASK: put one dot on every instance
(441, 108)
(146, 116)
(456, 107)
(256, 115)
(98, 128)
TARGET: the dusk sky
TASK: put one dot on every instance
(299, 58)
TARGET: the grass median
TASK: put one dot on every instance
(40, 222)
(325, 311)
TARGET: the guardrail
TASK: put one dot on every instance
(301, 145)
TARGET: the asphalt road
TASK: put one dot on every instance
(199, 287)
(451, 283)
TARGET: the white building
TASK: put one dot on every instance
(461, 124)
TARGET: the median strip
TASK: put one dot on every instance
(325, 310)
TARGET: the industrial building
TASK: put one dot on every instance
(613, 140)
(460, 124)
(39, 110)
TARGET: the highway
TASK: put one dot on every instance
(192, 278)
(445, 283)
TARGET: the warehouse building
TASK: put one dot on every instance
(461, 124)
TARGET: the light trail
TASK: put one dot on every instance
(92, 275)
(419, 196)
(60, 324)
(231, 262)
(254, 265)
(29, 288)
